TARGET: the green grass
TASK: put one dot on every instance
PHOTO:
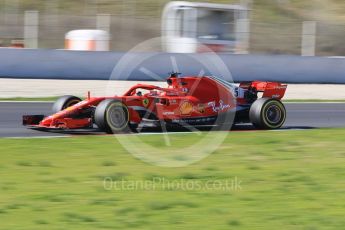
(289, 180)
(30, 99)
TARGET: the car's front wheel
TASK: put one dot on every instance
(112, 116)
(64, 102)
(267, 113)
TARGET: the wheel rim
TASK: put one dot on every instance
(70, 103)
(273, 114)
(117, 118)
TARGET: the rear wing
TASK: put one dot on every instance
(269, 89)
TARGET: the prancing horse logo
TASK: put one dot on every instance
(146, 102)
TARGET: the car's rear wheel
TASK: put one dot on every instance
(112, 116)
(267, 113)
(64, 102)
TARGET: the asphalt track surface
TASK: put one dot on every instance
(299, 116)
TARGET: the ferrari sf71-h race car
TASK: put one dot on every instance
(189, 100)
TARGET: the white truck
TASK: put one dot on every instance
(191, 27)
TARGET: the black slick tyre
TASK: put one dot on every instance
(112, 116)
(267, 113)
(64, 102)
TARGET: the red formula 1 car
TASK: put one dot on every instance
(193, 101)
